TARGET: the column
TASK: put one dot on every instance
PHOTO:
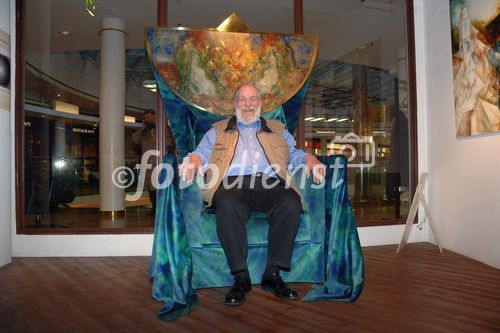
(111, 114)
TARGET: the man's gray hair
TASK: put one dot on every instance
(236, 92)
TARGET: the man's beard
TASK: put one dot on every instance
(247, 121)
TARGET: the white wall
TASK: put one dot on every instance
(5, 155)
(464, 184)
(81, 245)
(141, 245)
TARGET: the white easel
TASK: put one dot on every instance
(418, 198)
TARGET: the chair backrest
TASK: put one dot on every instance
(189, 123)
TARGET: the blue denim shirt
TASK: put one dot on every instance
(249, 156)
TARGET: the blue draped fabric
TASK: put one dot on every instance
(344, 259)
(171, 264)
(174, 272)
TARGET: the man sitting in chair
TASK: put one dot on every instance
(248, 160)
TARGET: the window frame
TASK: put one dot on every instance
(162, 11)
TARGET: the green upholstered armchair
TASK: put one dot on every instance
(186, 251)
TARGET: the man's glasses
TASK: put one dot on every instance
(252, 100)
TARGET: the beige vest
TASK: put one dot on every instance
(271, 139)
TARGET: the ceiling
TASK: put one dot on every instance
(342, 25)
(369, 32)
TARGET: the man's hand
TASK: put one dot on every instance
(318, 169)
(189, 167)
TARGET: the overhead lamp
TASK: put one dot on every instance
(129, 119)
(342, 120)
(90, 7)
(318, 119)
(65, 33)
(60, 164)
(150, 84)
(309, 118)
(65, 107)
(330, 119)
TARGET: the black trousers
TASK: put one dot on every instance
(233, 207)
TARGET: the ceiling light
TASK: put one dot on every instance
(149, 84)
(65, 107)
(309, 118)
(325, 132)
(331, 119)
(318, 119)
(60, 164)
(65, 33)
(129, 119)
(342, 119)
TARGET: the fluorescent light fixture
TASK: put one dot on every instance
(331, 119)
(318, 119)
(325, 132)
(65, 107)
(129, 119)
(90, 7)
(65, 33)
(309, 118)
(150, 84)
(342, 119)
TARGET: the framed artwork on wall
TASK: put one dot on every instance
(476, 63)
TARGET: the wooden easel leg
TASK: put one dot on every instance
(431, 222)
(409, 221)
(419, 198)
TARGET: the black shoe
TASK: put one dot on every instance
(236, 295)
(279, 288)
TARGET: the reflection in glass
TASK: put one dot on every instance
(357, 101)
(61, 137)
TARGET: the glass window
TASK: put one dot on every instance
(259, 15)
(62, 121)
(357, 101)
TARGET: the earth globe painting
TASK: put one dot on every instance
(205, 67)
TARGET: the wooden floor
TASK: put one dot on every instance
(419, 290)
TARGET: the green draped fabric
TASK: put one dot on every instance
(171, 264)
(344, 260)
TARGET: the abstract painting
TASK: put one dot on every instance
(476, 65)
(204, 67)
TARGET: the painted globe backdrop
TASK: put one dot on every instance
(205, 67)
